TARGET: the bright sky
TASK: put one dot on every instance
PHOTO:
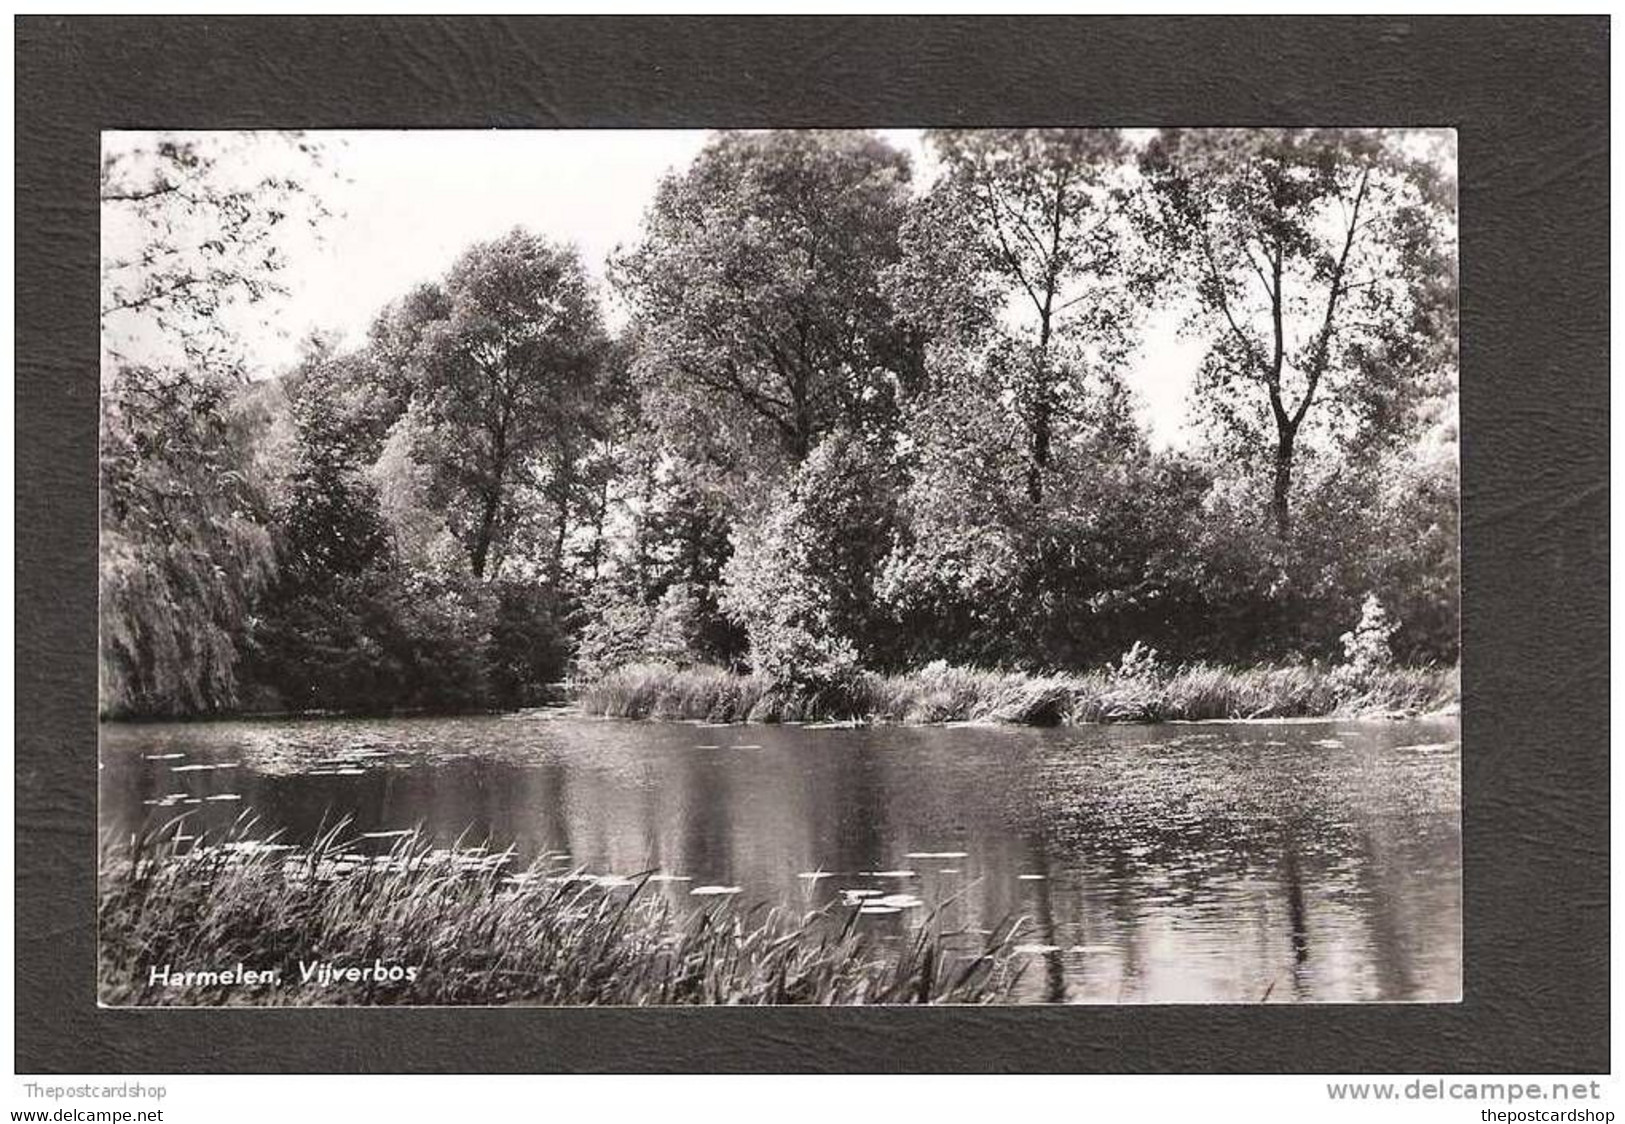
(406, 203)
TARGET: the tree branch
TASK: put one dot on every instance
(1317, 366)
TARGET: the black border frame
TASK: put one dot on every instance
(1530, 98)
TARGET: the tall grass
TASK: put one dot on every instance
(961, 694)
(483, 932)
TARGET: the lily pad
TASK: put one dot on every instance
(613, 881)
(899, 901)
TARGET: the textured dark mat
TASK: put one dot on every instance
(1530, 97)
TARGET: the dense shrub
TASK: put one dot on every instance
(801, 579)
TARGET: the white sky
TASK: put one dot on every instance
(405, 204)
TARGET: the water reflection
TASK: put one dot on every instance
(1311, 862)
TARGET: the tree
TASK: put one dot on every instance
(656, 579)
(196, 227)
(759, 292)
(502, 355)
(330, 523)
(1018, 445)
(1311, 258)
(319, 635)
(370, 610)
(977, 573)
(187, 239)
(801, 579)
(1044, 212)
(183, 548)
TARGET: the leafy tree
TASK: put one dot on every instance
(404, 479)
(1419, 572)
(186, 241)
(656, 587)
(502, 355)
(1311, 258)
(1022, 444)
(622, 629)
(196, 228)
(529, 646)
(1044, 213)
(759, 291)
(846, 426)
(316, 636)
(975, 577)
(183, 550)
(354, 623)
(423, 463)
(330, 523)
(801, 579)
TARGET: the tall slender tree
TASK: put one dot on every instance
(1045, 210)
(1311, 259)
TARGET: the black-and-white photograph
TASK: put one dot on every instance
(675, 567)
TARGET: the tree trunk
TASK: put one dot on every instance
(599, 516)
(487, 530)
(1280, 502)
(801, 425)
(491, 501)
(556, 566)
(1043, 406)
(1040, 448)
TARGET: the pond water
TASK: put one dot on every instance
(1214, 862)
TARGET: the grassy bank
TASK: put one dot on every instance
(480, 931)
(954, 694)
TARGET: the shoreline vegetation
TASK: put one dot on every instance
(265, 922)
(953, 695)
(940, 694)
(1133, 691)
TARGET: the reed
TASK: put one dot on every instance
(482, 930)
(941, 693)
